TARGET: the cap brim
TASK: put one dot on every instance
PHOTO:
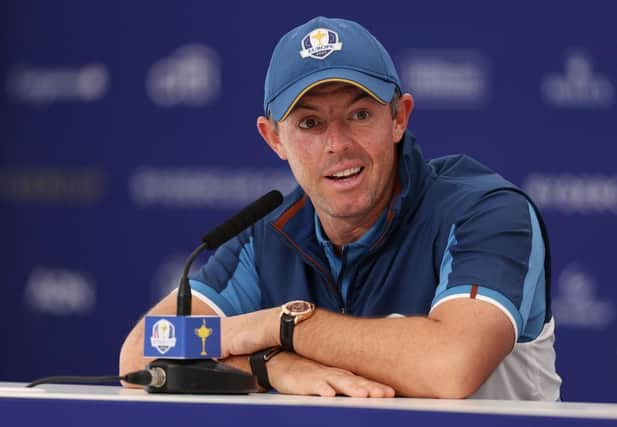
(379, 89)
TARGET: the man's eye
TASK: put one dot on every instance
(361, 115)
(308, 123)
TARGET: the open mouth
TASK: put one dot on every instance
(347, 174)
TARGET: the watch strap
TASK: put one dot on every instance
(258, 360)
(288, 323)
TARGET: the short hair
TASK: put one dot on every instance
(396, 96)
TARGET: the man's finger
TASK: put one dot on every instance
(356, 386)
(348, 384)
(325, 390)
(376, 389)
(381, 390)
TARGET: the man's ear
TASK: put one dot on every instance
(270, 134)
(405, 107)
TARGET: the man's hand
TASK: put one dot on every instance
(292, 374)
(249, 333)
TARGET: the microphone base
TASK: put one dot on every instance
(201, 376)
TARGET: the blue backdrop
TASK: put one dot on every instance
(128, 130)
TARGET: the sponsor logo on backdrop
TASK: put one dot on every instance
(163, 336)
(190, 76)
(60, 291)
(447, 78)
(573, 193)
(576, 303)
(212, 188)
(46, 185)
(46, 85)
(578, 85)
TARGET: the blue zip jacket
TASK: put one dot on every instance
(453, 229)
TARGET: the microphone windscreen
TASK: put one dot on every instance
(243, 219)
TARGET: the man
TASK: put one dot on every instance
(427, 279)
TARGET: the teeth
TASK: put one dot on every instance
(347, 172)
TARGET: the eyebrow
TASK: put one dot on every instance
(308, 106)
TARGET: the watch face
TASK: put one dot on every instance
(295, 308)
(298, 306)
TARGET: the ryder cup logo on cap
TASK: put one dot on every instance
(320, 43)
(346, 52)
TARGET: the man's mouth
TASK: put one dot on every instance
(346, 174)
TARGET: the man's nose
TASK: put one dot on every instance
(338, 137)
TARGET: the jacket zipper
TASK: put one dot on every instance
(339, 283)
(334, 285)
(325, 274)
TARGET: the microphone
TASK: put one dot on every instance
(230, 228)
(188, 342)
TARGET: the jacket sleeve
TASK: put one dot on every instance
(495, 253)
(229, 282)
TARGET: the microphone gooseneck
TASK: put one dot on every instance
(215, 238)
(184, 290)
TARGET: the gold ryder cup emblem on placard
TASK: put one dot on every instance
(203, 332)
(163, 336)
(320, 43)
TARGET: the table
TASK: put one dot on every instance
(62, 405)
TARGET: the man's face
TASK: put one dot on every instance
(340, 145)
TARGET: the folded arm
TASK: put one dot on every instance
(448, 354)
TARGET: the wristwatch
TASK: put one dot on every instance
(258, 365)
(292, 313)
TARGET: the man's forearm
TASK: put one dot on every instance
(380, 349)
(417, 356)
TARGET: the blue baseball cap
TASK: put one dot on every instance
(327, 50)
